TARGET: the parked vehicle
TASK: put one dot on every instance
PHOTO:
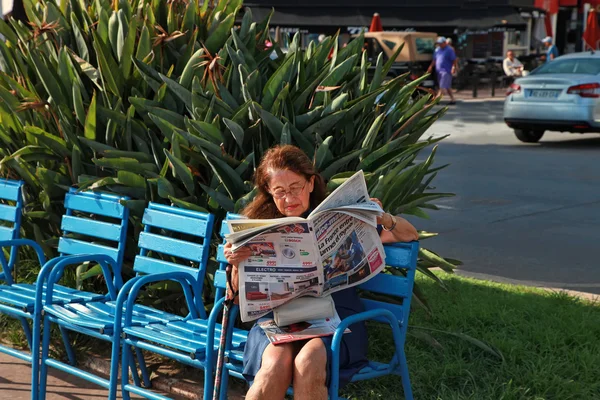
(562, 95)
(415, 57)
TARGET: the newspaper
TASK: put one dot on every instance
(300, 331)
(337, 246)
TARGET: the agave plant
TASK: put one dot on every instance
(175, 102)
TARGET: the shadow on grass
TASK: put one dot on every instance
(550, 342)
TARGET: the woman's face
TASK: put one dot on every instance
(291, 192)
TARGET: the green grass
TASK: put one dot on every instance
(550, 343)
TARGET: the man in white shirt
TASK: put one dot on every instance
(512, 67)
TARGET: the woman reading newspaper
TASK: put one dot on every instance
(289, 186)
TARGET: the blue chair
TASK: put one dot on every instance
(76, 246)
(174, 246)
(402, 256)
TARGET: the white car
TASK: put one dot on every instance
(561, 95)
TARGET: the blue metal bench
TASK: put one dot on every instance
(174, 246)
(402, 256)
(24, 301)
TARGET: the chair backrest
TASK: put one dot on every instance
(220, 278)
(174, 240)
(94, 223)
(400, 256)
(11, 210)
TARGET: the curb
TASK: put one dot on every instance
(174, 386)
(591, 297)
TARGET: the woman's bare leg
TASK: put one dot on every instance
(310, 371)
(275, 374)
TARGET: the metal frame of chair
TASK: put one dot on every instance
(399, 256)
(94, 231)
(162, 257)
(24, 301)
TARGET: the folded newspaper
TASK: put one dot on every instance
(337, 246)
(301, 330)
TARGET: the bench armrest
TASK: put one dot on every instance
(54, 269)
(7, 267)
(130, 291)
(361, 317)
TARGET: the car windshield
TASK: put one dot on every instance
(588, 66)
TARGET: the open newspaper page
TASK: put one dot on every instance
(285, 264)
(351, 250)
(300, 331)
(351, 196)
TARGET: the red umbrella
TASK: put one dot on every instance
(376, 24)
(592, 31)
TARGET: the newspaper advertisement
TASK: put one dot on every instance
(336, 247)
(301, 330)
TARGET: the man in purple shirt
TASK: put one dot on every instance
(444, 60)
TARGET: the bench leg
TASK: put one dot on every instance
(35, 356)
(45, 350)
(68, 348)
(224, 383)
(408, 395)
(27, 330)
(143, 368)
(126, 359)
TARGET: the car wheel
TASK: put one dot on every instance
(528, 135)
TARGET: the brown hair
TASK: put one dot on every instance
(289, 158)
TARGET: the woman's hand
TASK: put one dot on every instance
(379, 219)
(403, 230)
(235, 258)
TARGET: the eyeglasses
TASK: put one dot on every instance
(292, 191)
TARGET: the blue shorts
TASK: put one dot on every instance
(444, 79)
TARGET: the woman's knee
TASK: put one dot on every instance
(278, 361)
(312, 359)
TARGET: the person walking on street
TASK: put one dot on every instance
(444, 60)
(551, 49)
(513, 68)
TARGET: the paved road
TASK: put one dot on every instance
(523, 213)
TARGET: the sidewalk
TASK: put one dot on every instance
(484, 94)
(180, 384)
(15, 383)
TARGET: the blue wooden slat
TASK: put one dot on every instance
(396, 309)
(74, 246)
(399, 255)
(61, 292)
(388, 284)
(158, 333)
(8, 213)
(148, 265)
(221, 254)
(73, 317)
(6, 234)
(20, 296)
(238, 334)
(225, 227)
(139, 310)
(220, 279)
(10, 190)
(16, 301)
(171, 246)
(94, 204)
(175, 222)
(90, 227)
